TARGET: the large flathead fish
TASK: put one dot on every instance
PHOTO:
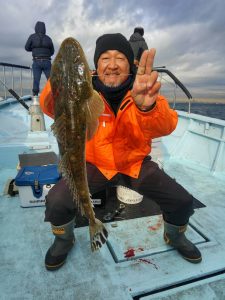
(76, 108)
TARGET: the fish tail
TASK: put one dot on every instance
(98, 234)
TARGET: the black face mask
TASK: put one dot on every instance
(113, 95)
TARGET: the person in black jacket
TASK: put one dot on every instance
(138, 44)
(42, 49)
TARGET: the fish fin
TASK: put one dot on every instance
(98, 234)
(65, 168)
(95, 107)
(58, 128)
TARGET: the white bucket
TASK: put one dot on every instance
(127, 195)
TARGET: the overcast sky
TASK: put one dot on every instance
(189, 35)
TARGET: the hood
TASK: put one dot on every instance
(136, 37)
(40, 27)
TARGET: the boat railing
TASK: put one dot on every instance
(175, 83)
(19, 78)
(15, 77)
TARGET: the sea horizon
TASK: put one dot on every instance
(198, 100)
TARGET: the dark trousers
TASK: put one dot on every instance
(39, 66)
(175, 202)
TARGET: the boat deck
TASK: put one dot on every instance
(135, 263)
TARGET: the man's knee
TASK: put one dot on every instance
(187, 201)
(185, 206)
(181, 212)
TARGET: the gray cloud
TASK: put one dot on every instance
(188, 35)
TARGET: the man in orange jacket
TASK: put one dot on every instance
(118, 153)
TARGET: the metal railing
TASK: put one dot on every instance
(16, 77)
(176, 82)
(20, 79)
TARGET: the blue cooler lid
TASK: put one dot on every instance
(37, 176)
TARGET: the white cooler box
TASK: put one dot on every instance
(34, 183)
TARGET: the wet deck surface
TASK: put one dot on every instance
(135, 263)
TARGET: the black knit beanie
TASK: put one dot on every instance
(113, 41)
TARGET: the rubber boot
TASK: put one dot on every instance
(64, 241)
(175, 237)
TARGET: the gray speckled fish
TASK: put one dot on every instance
(77, 108)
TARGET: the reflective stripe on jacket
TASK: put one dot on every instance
(122, 142)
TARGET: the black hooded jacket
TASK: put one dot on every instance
(39, 43)
(137, 43)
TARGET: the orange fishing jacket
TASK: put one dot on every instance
(122, 142)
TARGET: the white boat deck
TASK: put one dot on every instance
(194, 154)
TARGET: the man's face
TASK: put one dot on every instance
(113, 68)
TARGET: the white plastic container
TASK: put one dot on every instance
(127, 195)
(28, 199)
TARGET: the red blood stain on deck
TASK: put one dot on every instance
(129, 253)
(153, 227)
(156, 226)
(149, 262)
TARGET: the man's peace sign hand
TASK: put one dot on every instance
(146, 87)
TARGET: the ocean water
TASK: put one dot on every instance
(206, 109)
